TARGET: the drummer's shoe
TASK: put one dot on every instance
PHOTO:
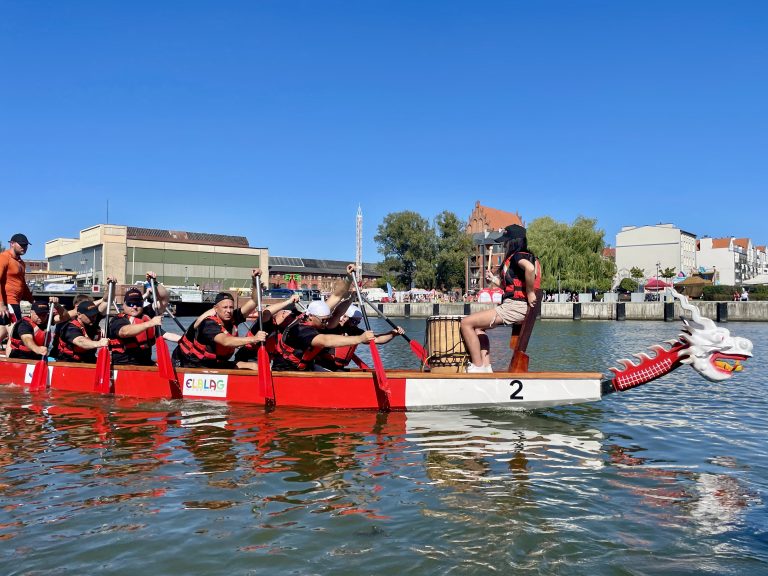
(472, 369)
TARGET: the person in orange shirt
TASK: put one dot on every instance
(13, 284)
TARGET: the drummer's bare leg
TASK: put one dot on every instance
(485, 347)
(469, 327)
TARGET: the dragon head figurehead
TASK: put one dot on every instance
(707, 348)
(711, 350)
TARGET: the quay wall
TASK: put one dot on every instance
(717, 311)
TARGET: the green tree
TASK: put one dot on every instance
(409, 246)
(628, 285)
(668, 273)
(571, 255)
(636, 273)
(454, 246)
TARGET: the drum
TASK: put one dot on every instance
(445, 347)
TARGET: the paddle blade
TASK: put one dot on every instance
(39, 376)
(265, 374)
(380, 379)
(103, 368)
(418, 350)
(164, 364)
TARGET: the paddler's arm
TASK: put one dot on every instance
(102, 304)
(88, 344)
(203, 316)
(130, 330)
(384, 338)
(234, 341)
(250, 306)
(336, 340)
(272, 309)
(341, 288)
(29, 342)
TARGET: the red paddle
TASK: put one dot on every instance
(103, 382)
(40, 374)
(379, 375)
(266, 385)
(416, 348)
(164, 364)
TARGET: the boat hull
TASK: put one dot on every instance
(410, 389)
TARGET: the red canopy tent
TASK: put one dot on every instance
(656, 285)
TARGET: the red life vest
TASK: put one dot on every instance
(513, 280)
(190, 346)
(290, 353)
(342, 355)
(74, 352)
(37, 335)
(143, 341)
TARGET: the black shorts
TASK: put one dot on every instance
(14, 309)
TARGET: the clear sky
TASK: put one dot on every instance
(275, 119)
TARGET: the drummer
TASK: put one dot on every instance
(519, 277)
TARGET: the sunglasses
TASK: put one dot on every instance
(133, 304)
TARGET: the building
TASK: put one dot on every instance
(653, 249)
(485, 225)
(285, 271)
(735, 259)
(212, 261)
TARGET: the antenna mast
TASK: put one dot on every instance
(359, 245)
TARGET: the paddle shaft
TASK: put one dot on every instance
(380, 376)
(48, 329)
(381, 315)
(110, 286)
(155, 304)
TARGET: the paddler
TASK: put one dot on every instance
(28, 337)
(275, 317)
(133, 332)
(519, 276)
(211, 342)
(349, 326)
(306, 339)
(80, 338)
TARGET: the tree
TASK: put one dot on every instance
(454, 246)
(571, 255)
(627, 285)
(668, 273)
(417, 254)
(409, 246)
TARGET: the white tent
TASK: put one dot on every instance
(757, 280)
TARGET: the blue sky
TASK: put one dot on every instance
(275, 119)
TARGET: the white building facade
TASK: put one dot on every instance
(734, 259)
(654, 248)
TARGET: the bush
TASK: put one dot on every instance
(725, 293)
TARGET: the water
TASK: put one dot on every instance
(670, 478)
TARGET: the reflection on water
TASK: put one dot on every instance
(667, 478)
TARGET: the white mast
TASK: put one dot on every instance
(359, 245)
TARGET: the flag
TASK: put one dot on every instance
(389, 290)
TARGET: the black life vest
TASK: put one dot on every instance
(73, 353)
(191, 347)
(513, 278)
(290, 354)
(17, 344)
(142, 341)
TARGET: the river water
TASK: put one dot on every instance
(670, 478)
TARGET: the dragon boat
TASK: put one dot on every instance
(709, 349)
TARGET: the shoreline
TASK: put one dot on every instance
(618, 311)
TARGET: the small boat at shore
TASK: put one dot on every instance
(707, 348)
